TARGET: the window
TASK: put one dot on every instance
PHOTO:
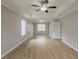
(23, 27)
(41, 27)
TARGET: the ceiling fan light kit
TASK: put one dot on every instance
(43, 8)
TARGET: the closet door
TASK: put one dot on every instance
(56, 30)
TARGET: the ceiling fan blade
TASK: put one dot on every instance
(42, 3)
(35, 5)
(46, 1)
(38, 10)
(46, 11)
(52, 7)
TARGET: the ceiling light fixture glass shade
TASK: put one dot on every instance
(43, 8)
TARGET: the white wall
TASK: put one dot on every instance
(70, 29)
(11, 30)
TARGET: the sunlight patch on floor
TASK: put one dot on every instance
(40, 41)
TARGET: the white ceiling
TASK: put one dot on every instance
(24, 8)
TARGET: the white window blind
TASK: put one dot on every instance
(41, 27)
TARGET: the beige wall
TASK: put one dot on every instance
(70, 29)
(11, 30)
(46, 32)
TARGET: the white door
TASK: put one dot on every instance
(56, 30)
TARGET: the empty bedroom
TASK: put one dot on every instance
(39, 29)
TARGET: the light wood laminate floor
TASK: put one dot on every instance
(43, 47)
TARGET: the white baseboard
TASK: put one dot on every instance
(15, 46)
(70, 46)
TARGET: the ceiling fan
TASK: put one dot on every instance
(43, 6)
